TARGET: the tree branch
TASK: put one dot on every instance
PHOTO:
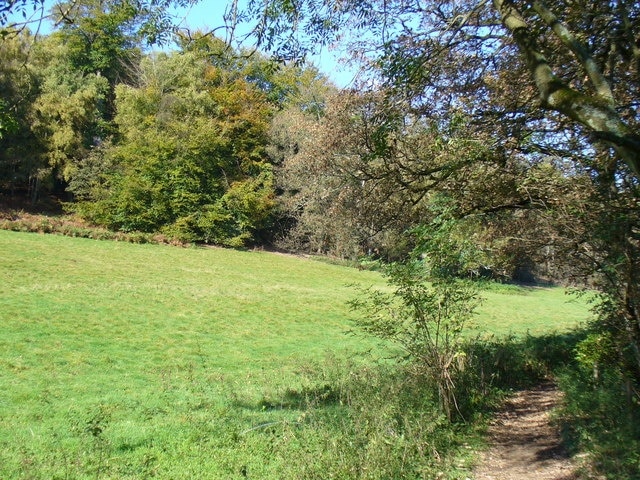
(569, 40)
(594, 113)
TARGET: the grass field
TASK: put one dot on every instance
(120, 360)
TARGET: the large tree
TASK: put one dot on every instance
(19, 149)
(550, 86)
(57, 100)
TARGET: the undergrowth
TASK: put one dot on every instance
(375, 422)
(384, 420)
(601, 422)
(20, 221)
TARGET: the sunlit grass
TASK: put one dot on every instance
(529, 310)
(120, 360)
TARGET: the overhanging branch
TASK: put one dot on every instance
(596, 113)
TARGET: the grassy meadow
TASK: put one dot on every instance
(122, 360)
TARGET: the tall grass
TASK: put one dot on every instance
(601, 421)
(121, 360)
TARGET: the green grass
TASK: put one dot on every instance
(120, 360)
(529, 310)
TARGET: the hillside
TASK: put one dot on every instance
(121, 360)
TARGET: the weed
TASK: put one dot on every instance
(601, 418)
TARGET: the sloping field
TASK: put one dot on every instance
(130, 361)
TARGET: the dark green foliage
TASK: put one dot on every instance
(58, 101)
(618, 308)
(511, 362)
(190, 161)
(20, 150)
(601, 417)
(8, 123)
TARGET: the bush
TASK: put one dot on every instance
(512, 362)
(601, 417)
(427, 307)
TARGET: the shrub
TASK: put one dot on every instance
(427, 307)
(601, 418)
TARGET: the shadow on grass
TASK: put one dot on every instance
(353, 418)
(315, 396)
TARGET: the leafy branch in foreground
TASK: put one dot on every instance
(428, 306)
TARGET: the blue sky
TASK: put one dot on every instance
(207, 15)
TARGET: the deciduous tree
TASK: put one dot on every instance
(550, 86)
(540, 68)
(190, 157)
(20, 150)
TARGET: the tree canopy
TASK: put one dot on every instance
(150, 20)
(190, 159)
(545, 70)
(549, 92)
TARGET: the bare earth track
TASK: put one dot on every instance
(524, 444)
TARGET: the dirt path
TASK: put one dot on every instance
(524, 446)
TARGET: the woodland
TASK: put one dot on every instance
(482, 140)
